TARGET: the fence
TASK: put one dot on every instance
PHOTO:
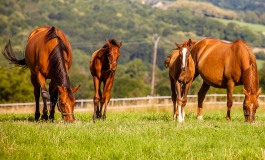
(119, 103)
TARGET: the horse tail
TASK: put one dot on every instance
(166, 62)
(52, 34)
(9, 55)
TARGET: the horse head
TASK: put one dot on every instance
(113, 53)
(66, 103)
(250, 104)
(184, 51)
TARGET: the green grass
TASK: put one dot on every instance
(134, 135)
(255, 27)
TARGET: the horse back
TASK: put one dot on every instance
(38, 50)
(174, 64)
(218, 61)
(94, 65)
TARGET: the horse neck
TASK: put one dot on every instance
(104, 59)
(250, 79)
(62, 79)
(59, 71)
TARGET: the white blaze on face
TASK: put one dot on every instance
(184, 52)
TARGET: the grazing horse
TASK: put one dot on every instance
(181, 72)
(103, 65)
(48, 55)
(223, 64)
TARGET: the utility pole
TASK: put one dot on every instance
(156, 39)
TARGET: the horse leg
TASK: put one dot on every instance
(99, 112)
(201, 95)
(44, 94)
(230, 89)
(186, 88)
(195, 75)
(53, 91)
(179, 103)
(106, 94)
(96, 98)
(173, 97)
(36, 86)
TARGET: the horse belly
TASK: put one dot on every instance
(212, 74)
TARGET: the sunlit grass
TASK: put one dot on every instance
(135, 134)
(255, 27)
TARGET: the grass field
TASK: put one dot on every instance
(255, 27)
(134, 134)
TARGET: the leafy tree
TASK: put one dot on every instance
(15, 86)
(129, 87)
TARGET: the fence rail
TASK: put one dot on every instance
(147, 101)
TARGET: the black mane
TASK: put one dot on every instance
(57, 62)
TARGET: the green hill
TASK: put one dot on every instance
(87, 23)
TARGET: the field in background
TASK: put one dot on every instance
(135, 133)
(255, 27)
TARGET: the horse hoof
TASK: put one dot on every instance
(51, 117)
(44, 117)
(180, 120)
(37, 116)
(200, 117)
(94, 117)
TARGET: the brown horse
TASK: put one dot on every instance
(48, 55)
(103, 65)
(224, 64)
(181, 72)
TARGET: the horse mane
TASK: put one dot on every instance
(250, 75)
(101, 51)
(250, 79)
(112, 41)
(57, 61)
(185, 43)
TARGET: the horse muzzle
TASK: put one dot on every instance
(249, 117)
(68, 118)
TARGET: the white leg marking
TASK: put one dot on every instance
(180, 119)
(200, 117)
(183, 113)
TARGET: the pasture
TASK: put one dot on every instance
(145, 133)
(255, 27)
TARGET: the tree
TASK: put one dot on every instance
(15, 86)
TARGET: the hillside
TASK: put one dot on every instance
(243, 10)
(87, 23)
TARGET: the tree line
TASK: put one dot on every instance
(88, 23)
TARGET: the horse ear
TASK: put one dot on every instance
(178, 45)
(108, 43)
(245, 92)
(75, 89)
(61, 89)
(120, 44)
(258, 93)
(190, 43)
